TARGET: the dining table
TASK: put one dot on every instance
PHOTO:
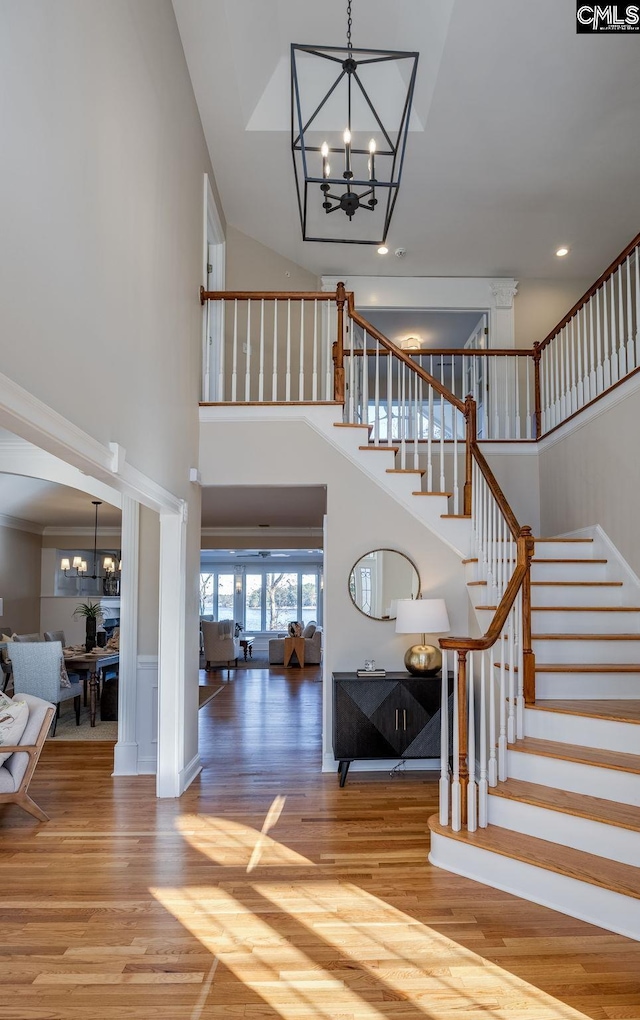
(92, 664)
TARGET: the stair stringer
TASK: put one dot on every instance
(455, 533)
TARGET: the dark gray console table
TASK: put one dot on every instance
(395, 716)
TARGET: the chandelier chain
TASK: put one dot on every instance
(349, 23)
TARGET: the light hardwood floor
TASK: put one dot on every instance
(126, 907)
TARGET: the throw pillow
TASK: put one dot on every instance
(64, 676)
(309, 630)
(6, 639)
(14, 716)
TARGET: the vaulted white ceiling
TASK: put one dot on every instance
(528, 135)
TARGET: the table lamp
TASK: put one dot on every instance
(422, 616)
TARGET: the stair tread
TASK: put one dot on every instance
(585, 637)
(384, 449)
(598, 871)
(563, 540)
(405, 471)
(578, 609)
(476, 584)
(581, 667)
(351, 425)
(620, 710)
(587, 667)
(578, 584)
(625, 816)
(432, 494)
(621, 761)
(538, 559)
(456, 517)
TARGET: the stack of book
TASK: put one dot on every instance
(371, 672)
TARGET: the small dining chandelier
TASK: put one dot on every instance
(350, 112)
(111, 564)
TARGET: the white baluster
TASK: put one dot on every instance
(593, 371)
(509, 654)
(529, 430)
(247, 356)
(287, 378)
(493, 759)
(515, 371)
(274, 372)
(328, 386)
(416, 422)
(301, 354)
(261, 370)
(631, 352)
(443, 485)
(376, 415)
(364, 414)
(234, 354)
(485, 396)
(502, 739)
(352, 373)
(444, 742)
(520, 661)
(637, 359)
(580, 398)
(456, 490)
(402, 411)
(599, 367)
(621, 360)
(483, 785)
(607, 357)
(496, 399)
(619, 354)
(430, 443)
(561, 342)
(223, 337)
(314, 373)
(456, 800)
(472, 788)
(572, 365)
(390, 361)
(551, 377)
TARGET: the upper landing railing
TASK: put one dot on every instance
(309, 347)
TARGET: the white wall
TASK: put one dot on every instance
(20, 580)
(541, 304)
(592, 476)
(360, 517)
(102, 233)
(251, 265)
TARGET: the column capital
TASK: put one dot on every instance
(503, 292)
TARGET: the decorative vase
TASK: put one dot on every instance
(90, 633)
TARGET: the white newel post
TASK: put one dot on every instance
(171, 660)
(125, 762)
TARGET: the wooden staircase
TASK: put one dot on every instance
(564, 828)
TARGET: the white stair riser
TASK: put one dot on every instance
(569, 571)
(575, 622)
(610, 841)
(591, 780)
(566, 550)
(584, 650)
(584, 686)
(577, 595)
(578, 899)
(582, 730)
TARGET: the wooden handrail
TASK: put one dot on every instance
(402, 356)
(257, 295)
(592, 290)
(516, 352)
(497, 492)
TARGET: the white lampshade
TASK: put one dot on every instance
(65, 563)
(422, 616)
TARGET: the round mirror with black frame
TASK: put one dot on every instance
(379, 579)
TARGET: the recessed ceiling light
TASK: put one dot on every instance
(561, 252)
(383, 250)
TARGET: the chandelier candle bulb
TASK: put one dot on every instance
(324, 149)
(347, 153)
(372, 159)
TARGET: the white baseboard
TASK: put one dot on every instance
(125, 759)
(189, 773)
(147, 766)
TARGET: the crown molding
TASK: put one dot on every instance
(53, 529)
(262, 533)
(18, 524)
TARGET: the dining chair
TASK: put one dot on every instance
(36, 670)
(55, 635)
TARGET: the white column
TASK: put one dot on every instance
(170, 776)
(125, 761)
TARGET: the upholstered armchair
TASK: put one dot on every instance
(36, 671)
(220, 642)
(312, 635)
(16, 772)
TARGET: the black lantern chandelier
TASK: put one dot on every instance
(350, 111)
(112, 564)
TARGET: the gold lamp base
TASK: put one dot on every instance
(423, 660)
